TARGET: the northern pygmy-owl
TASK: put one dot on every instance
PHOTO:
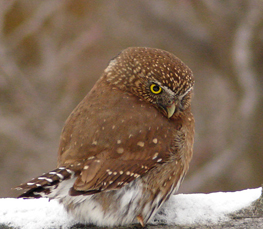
(126, 147)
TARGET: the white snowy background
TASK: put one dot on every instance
(181, 209)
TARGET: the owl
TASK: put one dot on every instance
(125, 149)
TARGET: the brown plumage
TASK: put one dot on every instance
(127, 146)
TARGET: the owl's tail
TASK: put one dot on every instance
(44, 184)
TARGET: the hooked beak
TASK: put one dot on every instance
(170, 110)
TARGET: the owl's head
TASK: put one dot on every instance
(155, 76)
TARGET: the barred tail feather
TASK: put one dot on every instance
(44, 184)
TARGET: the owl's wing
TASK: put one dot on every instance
(123, 161)
(109, 174)
(117, 148)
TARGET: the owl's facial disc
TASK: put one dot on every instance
(165, 99)
(169, 103)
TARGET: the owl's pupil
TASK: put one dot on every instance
(156, 88)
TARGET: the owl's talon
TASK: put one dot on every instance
(140, 219)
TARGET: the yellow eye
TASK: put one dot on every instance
(155, 89)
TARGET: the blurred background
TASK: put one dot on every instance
(52, 53)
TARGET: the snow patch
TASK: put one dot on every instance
(34, 213)
(182, 209)
(198, 209)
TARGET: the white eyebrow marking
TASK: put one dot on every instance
(181, 96)
(168, 90)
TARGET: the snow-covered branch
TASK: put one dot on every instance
(199, 210)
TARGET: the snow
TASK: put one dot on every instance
(33, 213)
(181, 209)
(198, 209)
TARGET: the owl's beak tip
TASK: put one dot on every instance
(170, 110)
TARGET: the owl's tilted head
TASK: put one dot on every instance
(155, 76)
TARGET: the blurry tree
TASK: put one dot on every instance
(52, 52)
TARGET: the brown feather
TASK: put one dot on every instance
(102, 145)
